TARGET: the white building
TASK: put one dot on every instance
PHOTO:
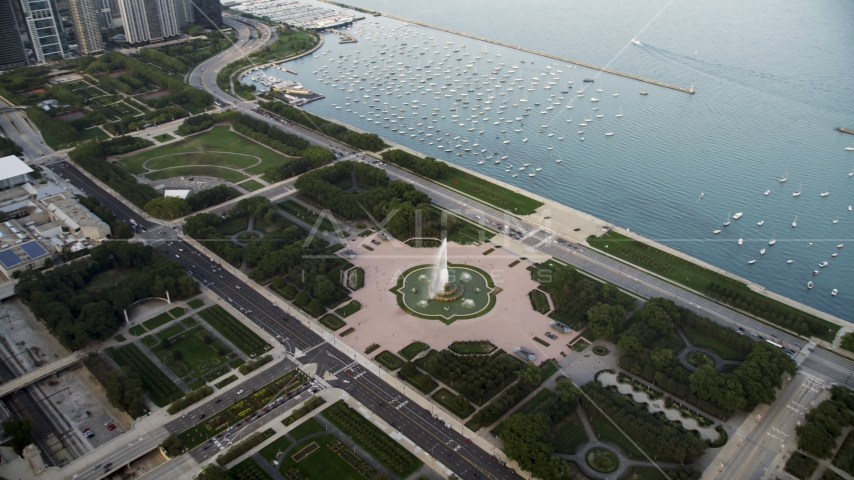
(149, 20)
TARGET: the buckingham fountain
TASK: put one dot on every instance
(445, 291)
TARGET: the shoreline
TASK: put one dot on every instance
(563, 219)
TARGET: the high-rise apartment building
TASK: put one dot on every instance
(12, 52)
(149, 20)
(85, 17)
(45, 30)
(208, 13)
(184, 12)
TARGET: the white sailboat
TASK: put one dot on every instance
(795, 222)
(726, 224)
(621, 114)
(798, 193)
(773, 241)
(785, 177)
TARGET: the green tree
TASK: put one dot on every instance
(302, 299)
(629, 345)
(530, 375)
(567, 392)
(20, 430)
(604, 319)
(173, 446)
(317, 156)
(169, 208)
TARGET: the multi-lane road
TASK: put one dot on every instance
(428, 433)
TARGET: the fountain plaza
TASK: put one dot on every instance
(473, 297)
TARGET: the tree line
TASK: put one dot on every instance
(750, 384)
(579, 300)
(359, 141)
(90, 156)
(124, 388)
(824, 423)
(640, 425)
(397, 200)
(771, 310)
(473, 375)
(75, 315)
(428, 167)
(119, 228)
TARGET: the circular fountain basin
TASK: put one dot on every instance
(468, 293)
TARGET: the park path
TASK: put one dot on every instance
(720, 362)
(707, 433)
(250, 228)
(593, 442)
(258, 162)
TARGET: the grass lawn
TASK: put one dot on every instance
(119, 338)
(549, 368)
(177, 312)
(196, 303)
(163, 137)
(361, 428)
(482, 346)
(530, 405)
(217, 146)
(251, 185)
(306, 428)
(349, 309)
(194, 352)
(157, 321)
(539, 301)
(137, 330)
(722, 349)
(801, 466)
(389, 360)
(332, 322)
(685, 273)
(489, 192)
(198, 171)
(248, 470)
(170, 331)
(155, 383)
(234, 225)
(55, 143)
(322, 462)
(446, 398)
(410, 351)
(235, 332)
(567, 435)
(306, 215)
(274, 448)
(580, 345)
(225, 381)
(609, 433)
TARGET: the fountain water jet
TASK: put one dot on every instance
(440, 270)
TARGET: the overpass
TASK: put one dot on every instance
(43, 371)
(11, 107)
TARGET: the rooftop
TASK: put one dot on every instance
(12, 166)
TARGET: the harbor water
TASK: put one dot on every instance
(772, 82)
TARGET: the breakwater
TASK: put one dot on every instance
(523, 49)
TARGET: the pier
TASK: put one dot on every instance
(527, 50)
(845, 130)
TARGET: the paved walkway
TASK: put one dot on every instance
(720, 362)
(250, 228)
(581, 453)
(707, 433)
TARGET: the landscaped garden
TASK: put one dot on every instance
(324, 456)
(410, 351)
(369, 437)
(192, 354)
(218, 147)
(155, 383)
(237, 333)
(480, 347)
(332, 322)
(539, 301)
(389, 360)
(602, 460)
(349, 309)
(247, 405)
(456, 403)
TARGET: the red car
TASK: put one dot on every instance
(111, 426)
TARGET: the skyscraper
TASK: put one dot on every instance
(12, 52)
(149, 20)
(45, 29)
(85, 18)
(208, 13)
(184, 12)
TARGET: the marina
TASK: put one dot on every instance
(404, 93)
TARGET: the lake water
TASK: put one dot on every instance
(772, 81)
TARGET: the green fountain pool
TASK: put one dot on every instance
(469, 293)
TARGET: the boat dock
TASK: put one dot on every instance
(845, 130)
(345, 37)
(528, 50)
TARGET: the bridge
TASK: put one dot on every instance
(7, 108)
(44, 371)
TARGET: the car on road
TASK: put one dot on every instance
(240, 391)
(107, 466)
(218, 400)
(452, 456)
(202, 416)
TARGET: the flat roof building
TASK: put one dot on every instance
(13, 172)
(19, 250)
